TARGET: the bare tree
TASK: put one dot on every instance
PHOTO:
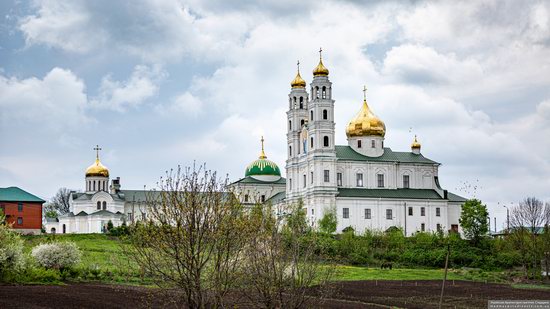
(526, 219)
(193, 237)
(281, 262)
(60, 202)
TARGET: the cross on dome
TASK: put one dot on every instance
(97, 149)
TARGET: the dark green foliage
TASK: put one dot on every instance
(109, 226)
(121, 230)
(474, 220)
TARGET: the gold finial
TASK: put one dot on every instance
(320, 70)
(298, 81)
(298, 65)
(364, 92)
(262, 154)
(97, 149)
(415, 144)
(320, 55)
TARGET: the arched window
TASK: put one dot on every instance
(104, 205)
(325, 114)
(372, 144)
(246, 198)
(294, 99)
(359, 144)
(52, 231)
(289, 103)
(290, 124)
(94, 185)
(290, 150)
(98, 205)
(311, 143)
(311, 118)
(325, 141)
(301, 123)
(64, 229)
(317, 92)
(301, 105)
(324, 93)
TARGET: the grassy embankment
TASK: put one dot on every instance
(103, 260)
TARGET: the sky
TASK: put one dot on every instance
(162, 83)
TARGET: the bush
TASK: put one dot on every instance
(59, 255)
(11, 249)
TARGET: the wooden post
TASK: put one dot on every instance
(445, 276)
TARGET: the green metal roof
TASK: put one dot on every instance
(262, 167)
(15, 194)
(277, 198)
(390, 193)
(347, 153)
(455, 198)
(252, 180)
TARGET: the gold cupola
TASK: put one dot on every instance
(320, 69)
(298, 81)
(97, 169)
(415, 144)
(365, 123)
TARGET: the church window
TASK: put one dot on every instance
(294, 101)
(19, 207)
(317, 92)
(423, 227)
(324, 94)
(325, 114)
(406, 183)
(305, 182)
(290, 124)
(104, 205)
(311, 145)
(98, 205)
(312, 211)
(438, 212)
(367, 213)
(94, 185)
(64, 229)
(372, 144)
(290, 183)
(359, 178)
(311, 177)
(311, 113)
(302, 123)
(345, 213)
(19, 221)
(410, 211)
(301, 105)
(422, 211)
(263, 198)
(389, 214)
(290, 150)
(325, 141)
(246, 198)
(326, 175)
(382, 144)
(359, 144)
(380, 178)
(339, 179)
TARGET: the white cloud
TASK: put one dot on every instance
(184, 104)
(116, 95)
(56, 101)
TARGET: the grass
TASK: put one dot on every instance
(531, 286)
(349, 273)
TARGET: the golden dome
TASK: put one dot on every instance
(415, 144)
(298, 81)
(320, 69)
(97, 169)
(365, 123)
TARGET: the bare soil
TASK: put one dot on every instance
(350, 294)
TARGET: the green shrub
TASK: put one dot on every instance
(11, 250)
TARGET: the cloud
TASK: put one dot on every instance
(140, 86)
(184, 104)
(55, 102)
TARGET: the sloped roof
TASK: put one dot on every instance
(253, 180)
(277, 198)
(390, 193)
(15, 194)
(455, 198)
(346, 153)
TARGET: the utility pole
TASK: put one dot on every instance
(507, 219)
(445, 277)
(495, 228)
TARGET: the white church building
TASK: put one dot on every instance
(370, 186)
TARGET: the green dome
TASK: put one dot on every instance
(262, 167)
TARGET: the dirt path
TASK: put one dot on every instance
(352, 294)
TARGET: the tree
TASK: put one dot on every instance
(193, 237)
(60, 202)
(328, 222)
(51, 214)
(474, 220)
(526, 219)
(281, 261)
(11, 249)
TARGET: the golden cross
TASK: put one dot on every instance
(365, 92)
(298, 64)
(262, 155)
(320, 51)
(97, 149)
